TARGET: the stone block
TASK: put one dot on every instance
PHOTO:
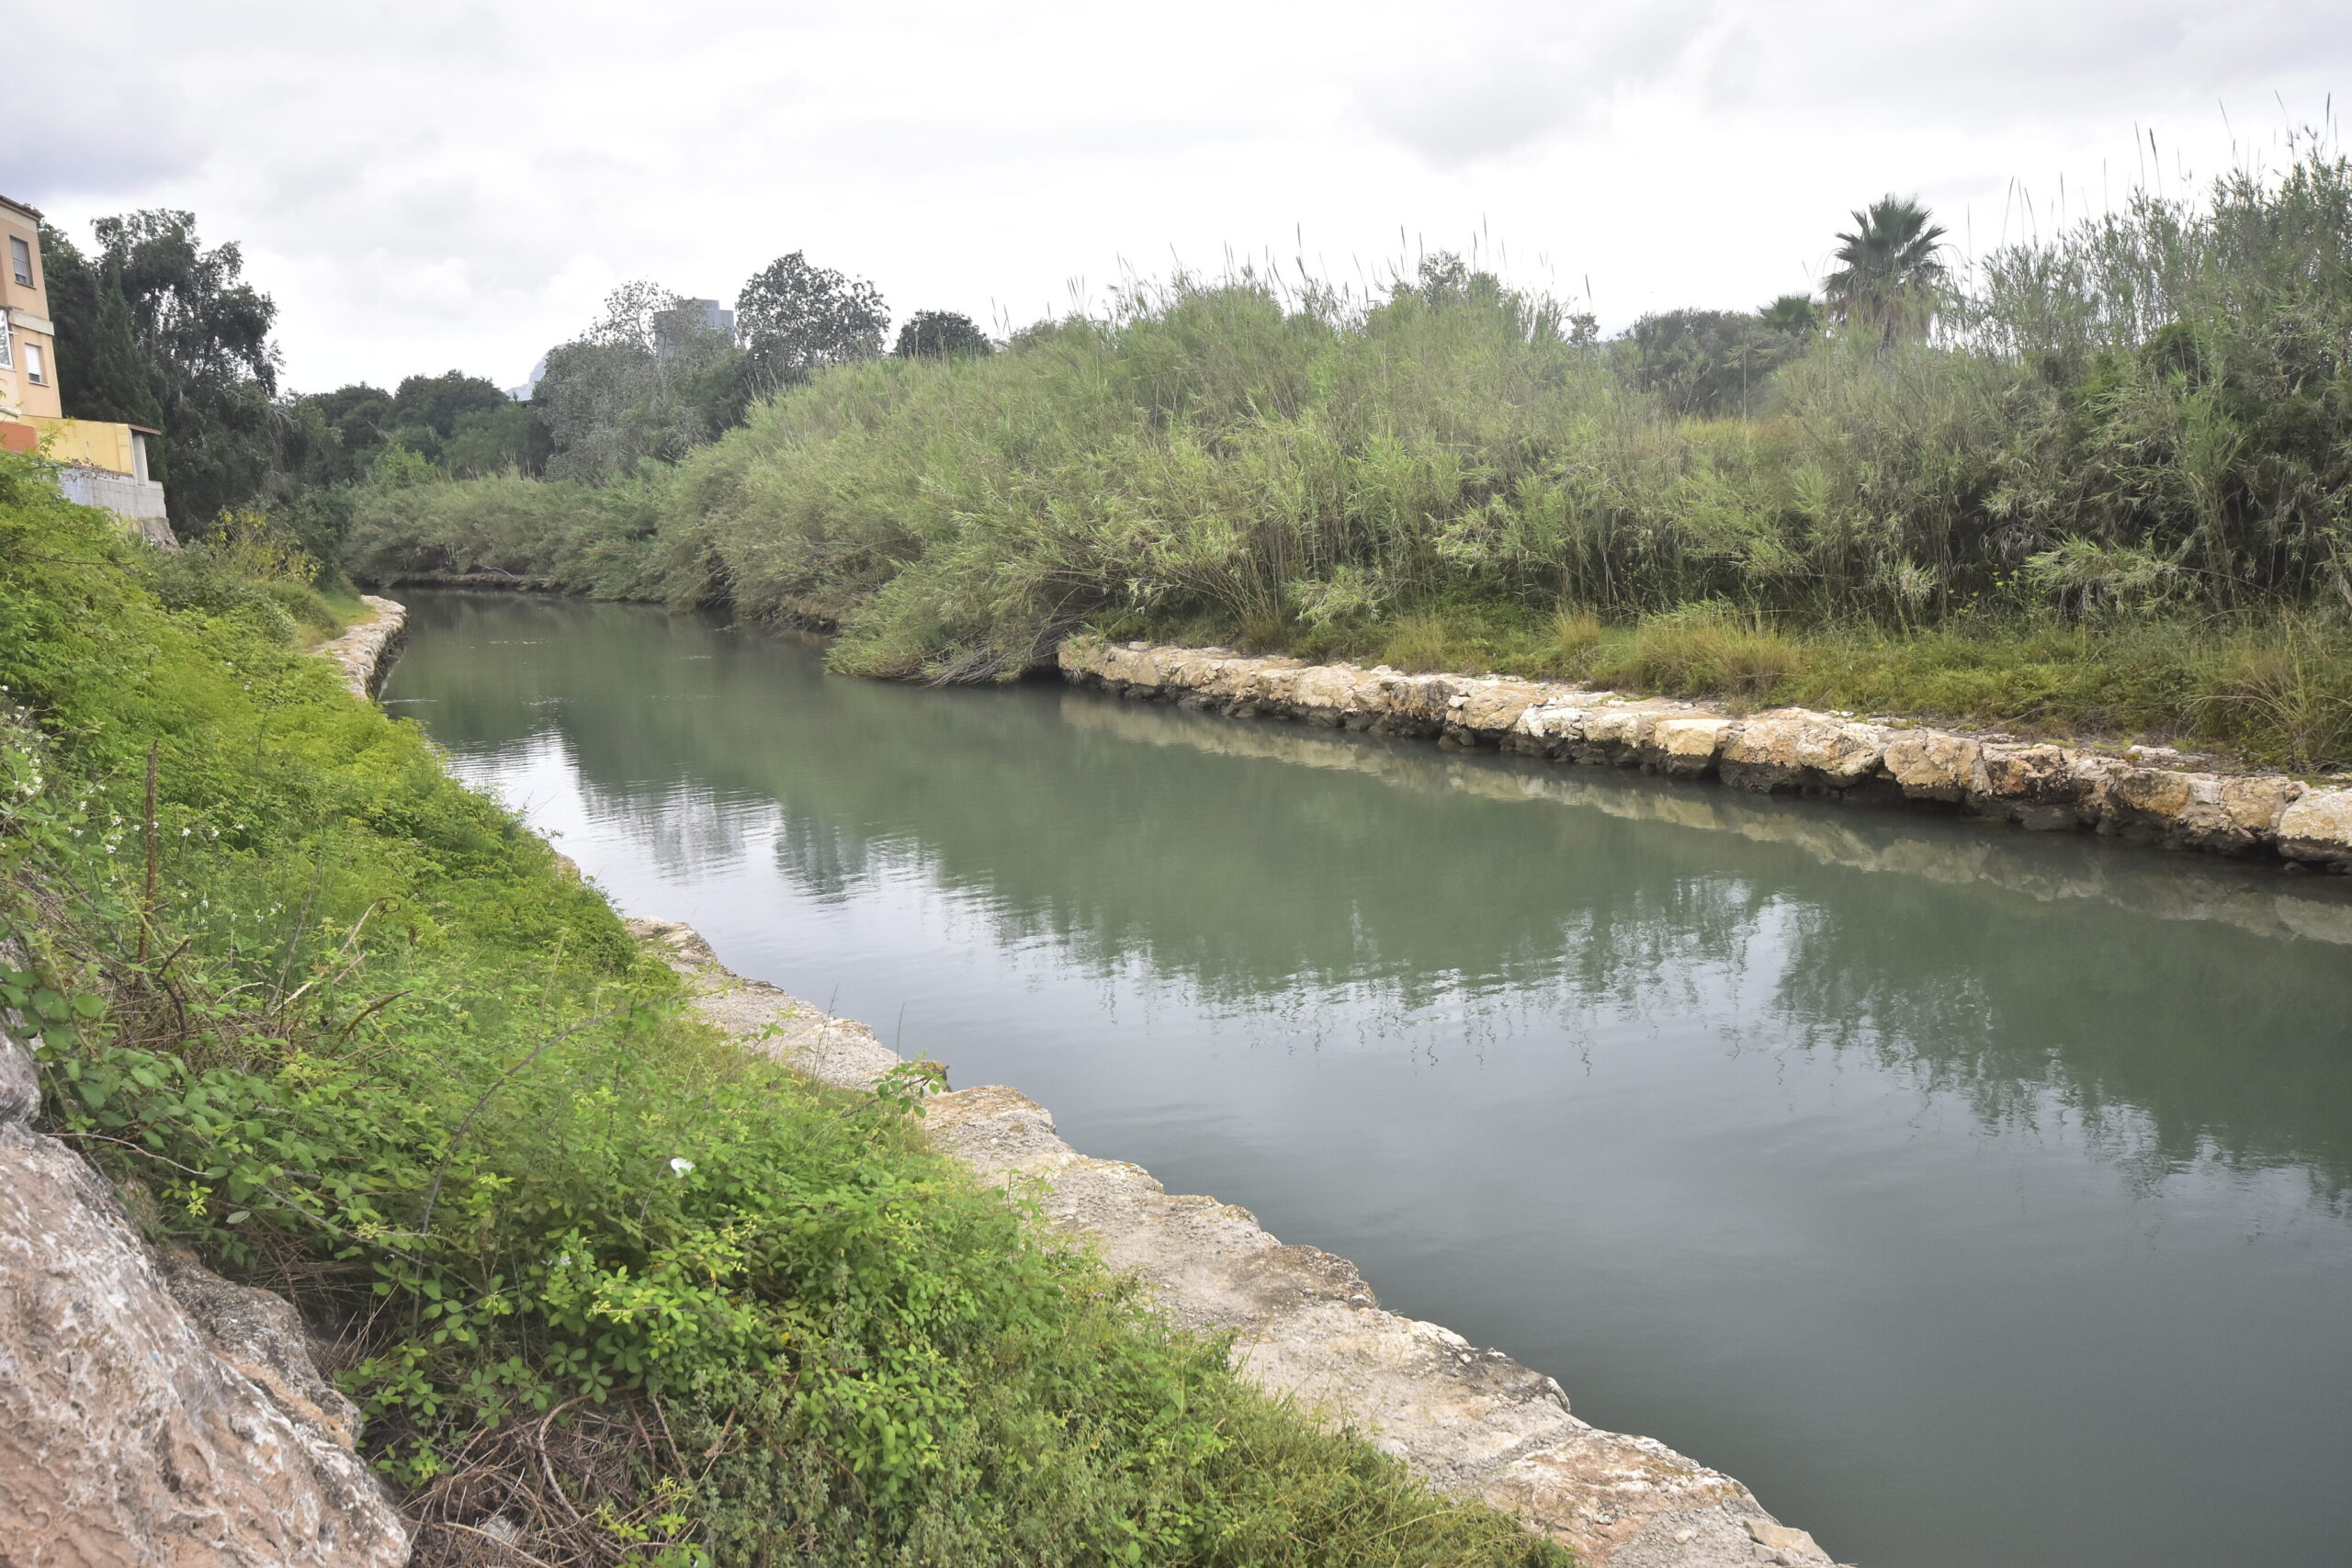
(2318, 827)
(1929, 764)
(1687, 748)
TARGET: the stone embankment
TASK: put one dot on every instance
(153, 1415)
(2145, 795)
(1305, 1324)
(366, 650)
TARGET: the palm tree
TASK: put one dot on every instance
(1794, 314)
(1888, 269)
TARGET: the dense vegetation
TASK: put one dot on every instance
(155, 329)
(347, 1029)
(2099, 481)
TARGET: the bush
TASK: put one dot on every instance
(590, 539)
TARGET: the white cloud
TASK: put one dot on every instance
(438, 182)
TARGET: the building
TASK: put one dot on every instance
(676, 327)
(101, 464)
(530, 387)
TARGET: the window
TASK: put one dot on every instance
(7, 359)
(20, 257)
(33, 371)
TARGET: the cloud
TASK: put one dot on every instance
(1500, 75)
(442, 182)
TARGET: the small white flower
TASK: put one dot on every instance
(679, 1167)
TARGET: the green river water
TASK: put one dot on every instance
(1976, 1198)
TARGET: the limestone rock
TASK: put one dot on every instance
(366, 651)
(1928, 764)
(1487, 710)
(2318, 827)
(1306, 1327)
(1793, 749)
(1551, 730)
(1687, 748)
(2206, 811)
(1327, 689)
(838, 1051)
(128, 1434)
(1617, 731)
(1410, 705)
(2147, 793)
(2037, 786)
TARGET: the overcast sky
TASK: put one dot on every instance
(434, 183)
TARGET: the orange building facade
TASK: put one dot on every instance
(100, 464)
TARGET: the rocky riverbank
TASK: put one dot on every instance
(2143, 795)
(367, 648)
(1305, 1324)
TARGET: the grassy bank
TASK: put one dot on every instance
(346, 1029)
(2106, 491)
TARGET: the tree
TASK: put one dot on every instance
(630, 313)
(202, 335)
(1794, 314)
(795, 319)
(438, 402)
(510, 437)
(646, 382)
(1707, 362)
(1889, 270)
(100, 375)
(936, 334)
(329, 438)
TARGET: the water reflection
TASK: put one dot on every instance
(1954, 951)
(1875, 1158)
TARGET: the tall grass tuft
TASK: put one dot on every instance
(1710, 647)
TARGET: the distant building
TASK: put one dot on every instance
(104, 465)
(530, 387)
(675, 328)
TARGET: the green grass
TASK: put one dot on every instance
(590, 1266)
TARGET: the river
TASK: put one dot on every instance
(1977, 1198)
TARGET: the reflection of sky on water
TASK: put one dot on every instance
(1922, 1176)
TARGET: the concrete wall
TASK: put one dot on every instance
(139, 502)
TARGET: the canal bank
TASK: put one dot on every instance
(1875, 1158)
(1306, 1325)
(2140, 794)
